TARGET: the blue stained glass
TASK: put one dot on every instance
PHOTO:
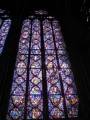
(56, 112)
(52, 74)
(49, 51)
(35, 51)
(15, 114)
(35, 44)
(66, 74)
(29, 69)
(4, 29)
(35, 61)
(35, 107)
(20, 74)
(48, 37)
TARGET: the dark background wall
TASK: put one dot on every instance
(76, 35)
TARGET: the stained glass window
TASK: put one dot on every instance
(43, 82)
(5, 23)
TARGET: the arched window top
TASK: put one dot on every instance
(41, 12)
(4, 14)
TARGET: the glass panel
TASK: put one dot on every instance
(4, 32)
(28, 68)
(67, 76)
(72, 105)
(55, 99)
(48, 37)
(36, 35)
(35, 99)
(18, 91)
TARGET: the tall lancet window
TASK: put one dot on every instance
(5, 23)
(43, 83)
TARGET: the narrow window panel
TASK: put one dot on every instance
(4, 29)
(66, 74)
(17, 95)
(35, 98)
(36, 41)
(56, 109)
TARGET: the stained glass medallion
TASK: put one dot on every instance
(41, 44)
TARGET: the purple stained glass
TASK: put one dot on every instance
(27, 100)
(48, 37)
(66, 73)
(4, 29)
(35, 99)
(35, 44)
(18, 91)
(56, 109)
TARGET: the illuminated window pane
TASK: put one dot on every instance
(4, 29)
(55, 99)
(35, 100)
(42, 59)
(18, 91)
(66, 74)
(5, 24)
